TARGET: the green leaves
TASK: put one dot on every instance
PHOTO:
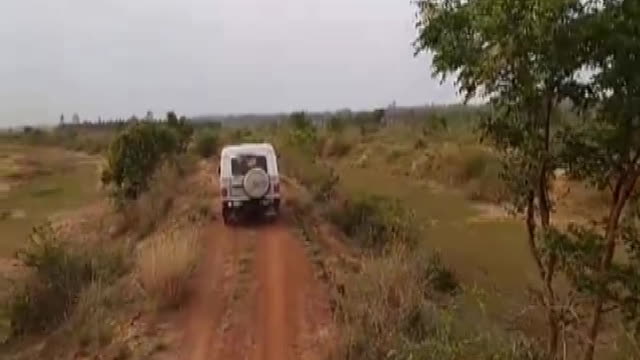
(134, 155)
(527, 57)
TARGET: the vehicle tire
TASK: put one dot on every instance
(256, 183)
(226, 215)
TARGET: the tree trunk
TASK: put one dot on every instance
(545, 219)
(622, 191)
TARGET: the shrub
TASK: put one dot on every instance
(473, 165)
(302, 134)
(91, 324)
(480, 173)
(489, 188)
(336, 147)
(336, 124)
(439, 277)
(134, 156)
(60, 273)
(420, 144)
(206, 143)
(165, 265)
(395, 154)
(374, 222)
(319, 179)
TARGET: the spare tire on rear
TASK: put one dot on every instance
(256, 183)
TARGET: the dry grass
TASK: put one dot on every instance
(165, 265)
(150, 208)
(391, 309)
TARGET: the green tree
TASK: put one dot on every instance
(520, 55)
(206, 142)
(300, 121)
(604, 150)
(183, 129)
(135, 154)
(172, 119)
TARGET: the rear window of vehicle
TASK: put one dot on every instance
(241, 164)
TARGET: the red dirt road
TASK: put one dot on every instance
(256, 297)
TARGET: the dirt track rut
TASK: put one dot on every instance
(256, 297)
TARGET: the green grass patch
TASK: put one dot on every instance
(491, 253)
(68, 182)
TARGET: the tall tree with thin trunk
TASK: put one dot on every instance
(605, 151)
(519, 55)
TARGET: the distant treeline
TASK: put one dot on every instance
(456, 113)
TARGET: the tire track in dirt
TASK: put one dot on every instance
(214, 289)
(274, 327)
(256, 297)
(288, 317)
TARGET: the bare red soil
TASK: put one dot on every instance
(256, 297)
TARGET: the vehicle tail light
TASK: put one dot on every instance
(223, 191)
(276, 188)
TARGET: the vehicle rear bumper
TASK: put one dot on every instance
(254, 203)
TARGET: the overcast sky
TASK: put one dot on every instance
(122, 57)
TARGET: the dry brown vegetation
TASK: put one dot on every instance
(106, 266)
(165, 266)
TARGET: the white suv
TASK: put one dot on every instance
(249, 180)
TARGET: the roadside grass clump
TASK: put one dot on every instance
(439, 277)
(382, 303)
(144, 213)
(92, 324)
(60, 272)
(387, 311)
(336, 147)
(480, 175)
(165, 265)
(374, 222)
(475, 163)
(395, 153)
(206, 143)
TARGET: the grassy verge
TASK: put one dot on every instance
(165, 266)
(61, 273)
(393, 309)
(89, 278)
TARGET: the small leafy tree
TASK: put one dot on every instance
(604, 150)
(183, 129)
(135, 154)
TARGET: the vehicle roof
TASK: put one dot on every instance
(249, 147)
